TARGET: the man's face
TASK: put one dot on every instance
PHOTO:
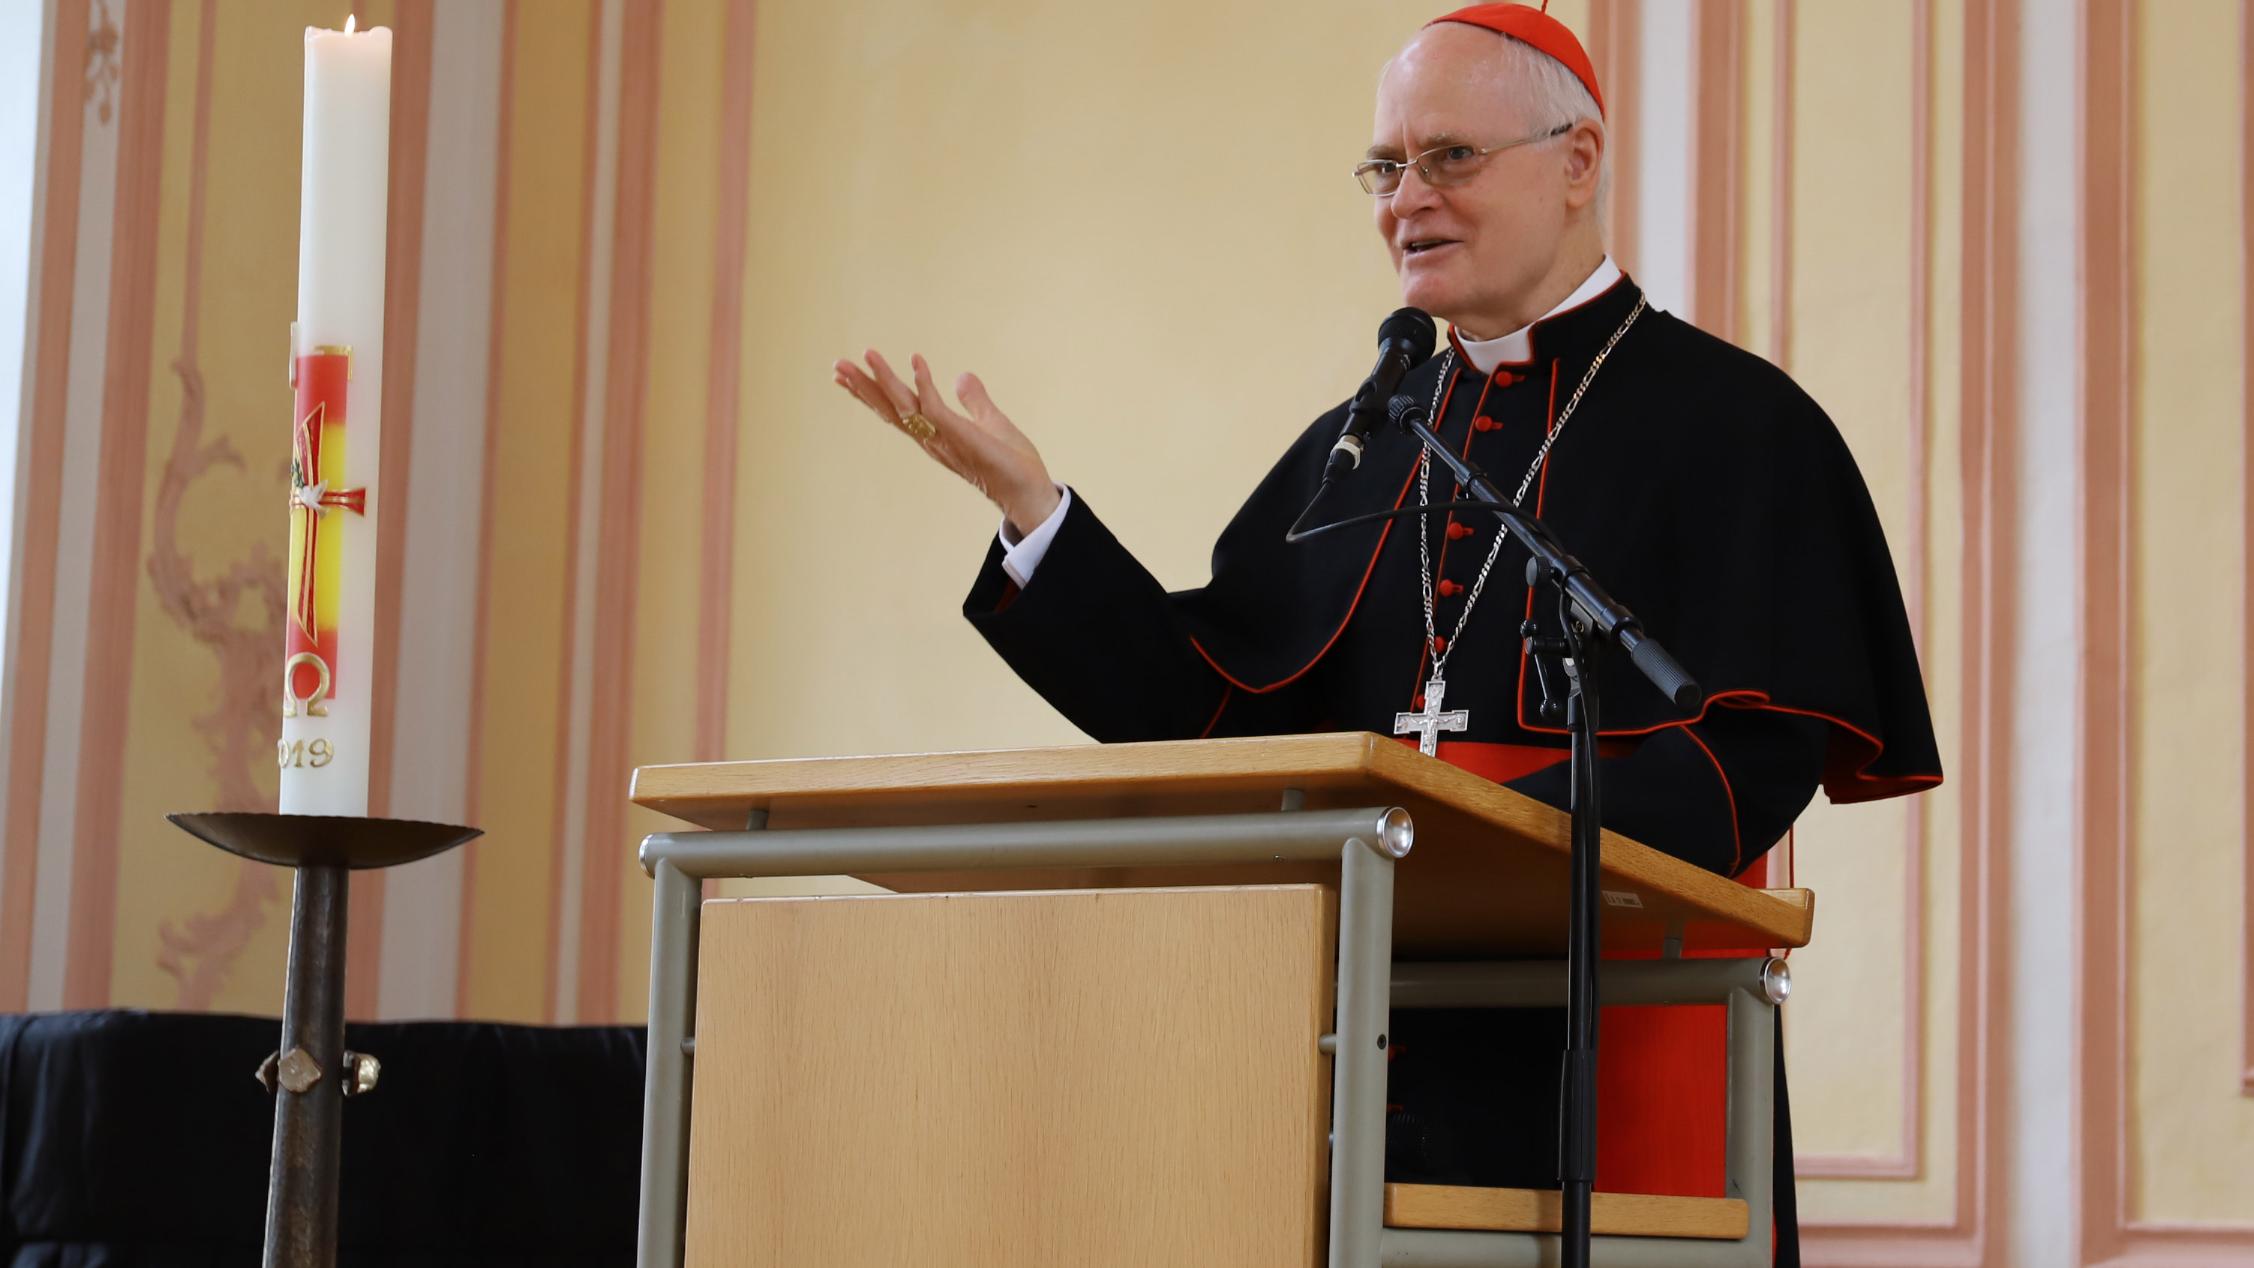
(1471, 253)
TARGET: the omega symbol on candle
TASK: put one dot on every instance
(310, 704)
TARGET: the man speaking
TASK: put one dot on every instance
(1709, 494)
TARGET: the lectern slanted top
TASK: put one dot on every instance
(1488, 877)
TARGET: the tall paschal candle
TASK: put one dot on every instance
(336, 428)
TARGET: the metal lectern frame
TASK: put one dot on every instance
(1366, 843)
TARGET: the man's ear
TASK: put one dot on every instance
(1583, 161)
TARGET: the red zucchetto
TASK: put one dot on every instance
(1535, 27)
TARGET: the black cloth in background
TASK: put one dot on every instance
(140, 1140)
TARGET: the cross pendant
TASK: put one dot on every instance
(1428, 725)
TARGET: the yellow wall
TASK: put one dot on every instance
(2192, 1144)
(1160, 296)
(1863, 1100)
(1850, 227)
(193, 926)
(521, 712)
(1137, 225)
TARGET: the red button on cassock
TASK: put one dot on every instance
(1457, 532)
(1449, 589)
(1484, 424)
(1439, 644)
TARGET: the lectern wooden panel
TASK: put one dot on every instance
(1052, 1054)
(1105, 1077)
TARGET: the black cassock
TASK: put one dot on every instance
(1696, 481)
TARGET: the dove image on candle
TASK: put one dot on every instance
(336, 428)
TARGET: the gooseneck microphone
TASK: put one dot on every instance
(1404, 342)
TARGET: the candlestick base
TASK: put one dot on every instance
(311, 1073)
(349, 841)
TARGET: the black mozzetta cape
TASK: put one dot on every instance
(1696, 481)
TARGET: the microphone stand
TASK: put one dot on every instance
(1591, 619)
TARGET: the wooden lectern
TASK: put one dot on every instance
(1127, 1006)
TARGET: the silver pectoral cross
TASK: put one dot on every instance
(1428, 725)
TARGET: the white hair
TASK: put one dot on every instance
(1548, 95)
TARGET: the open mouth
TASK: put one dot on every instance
(1423, 245)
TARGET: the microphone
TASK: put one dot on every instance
(1404, 342)
(1404, 407)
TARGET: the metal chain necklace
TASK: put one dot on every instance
(1430, 721)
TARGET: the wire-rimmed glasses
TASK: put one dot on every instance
(1440, 166)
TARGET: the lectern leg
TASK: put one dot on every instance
(1749, 1165)
(1365, 977)
(665, 1096)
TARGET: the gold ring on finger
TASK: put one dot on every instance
(915, 424)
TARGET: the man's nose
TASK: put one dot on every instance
(1412, 194)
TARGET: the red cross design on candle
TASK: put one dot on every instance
(322, 381)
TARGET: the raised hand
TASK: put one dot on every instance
(977, 442)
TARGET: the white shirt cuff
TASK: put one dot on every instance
(1022, 556)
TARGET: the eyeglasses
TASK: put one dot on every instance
(1440, 166)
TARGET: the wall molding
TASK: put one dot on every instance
(1615, 47)
(1780, 189)
(2246, 487)
(590, 329)
(106, 696)
(1907, 1162)
(481, 621)
(38, 502)
(2107, 52)
(1988, 446)
(403, 284)
(1716, 226)
(604, 856)
(2111, 1232)
(723, 388)
(200, 949)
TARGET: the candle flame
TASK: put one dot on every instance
(349, 20)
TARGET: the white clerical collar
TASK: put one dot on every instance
(1518, 345)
